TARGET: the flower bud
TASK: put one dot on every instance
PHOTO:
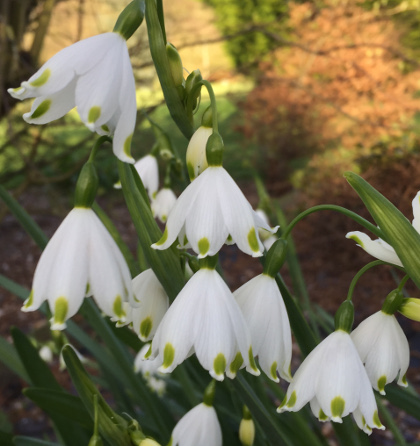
(196, 152)
(247, 428)
(193, 79)
(95, 440)
(344, 316)
(175, 64)
(86, 186)
(410, 308)
(149, 442)
(130, 19)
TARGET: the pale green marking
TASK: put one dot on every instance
(42, 108)
(381, 383)
(163, 238)
(376, 420)
(357, 240)
(149, 352)
(219, 364)
(190, 169)
(235, 365)
(164, 218)
(253, 241)
(41, 80)
(127, 145)
(252, 363)
(403, 379)
(94, 114)
(170, 442)
(203, 246)
(168, 355)
(60, 310)
(292, 399)
(337, 406)
(322, 416)
(118, 307)
(273, 370)
(229, 239)
(146, 327)
(87, 289)
(29, 301)
(283, 403)
(105, 128)
(185, 240)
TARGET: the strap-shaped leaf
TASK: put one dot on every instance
(27, 441)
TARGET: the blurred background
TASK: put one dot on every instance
(306, 91)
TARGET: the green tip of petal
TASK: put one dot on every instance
(273, 371)
(41, 80)
(94, 114)
(235, 365)
(203, 246)
(337, 407)
(163, 238)
(322, 416)
(376, 420)
(42, 108)
(127, 146)
(29, 301)
(118, 308)
(357, 240)
(219, 364)
(146, 327)
(148, 353)
(168, 355)
(87, 289)
(253, 241)
(381, 384)
(191, 173)
(292, 400)
(403, 379)
(282, 404)
(251, 359)
(105, 128)
(60, 311)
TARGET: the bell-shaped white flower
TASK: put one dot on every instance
(383, 348)
(81, 259)
(379, 248)
(266, 316)
(332, 378)
(148, 169)
(95, 75)
(199, 426)
(149, 304)
(196, 152)
(209, 210)
(163, 203)
(205, 318)
(146, 367)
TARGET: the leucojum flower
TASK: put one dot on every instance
(95, 75)
(333, 380)
(163, 203)
(379, 248)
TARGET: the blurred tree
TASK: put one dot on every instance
(247, 25)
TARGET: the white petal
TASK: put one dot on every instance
(376, 248)
(148, 170)
(163, 203)
(416, 212)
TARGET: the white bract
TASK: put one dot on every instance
(149, 304)
(379, 248)
(383, 348)
(205, 318)
(95, 75)
(209, 210)
(199, 426)
(265, 313)
(196, 152)
(332, 378)
(163, 203)
(81, 259)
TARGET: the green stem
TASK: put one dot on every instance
(212, 96)
(96, 146)
(403, 282)
(331, 207)
(159, 7)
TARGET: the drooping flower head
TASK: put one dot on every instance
(205, 319)
(163, 203)
(95, 75)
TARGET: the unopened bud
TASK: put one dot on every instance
(196, 152)
(247, 432)
(175, 64)
(130, 19)
(410, 308)
(193, 79)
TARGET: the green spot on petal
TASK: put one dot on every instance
(164, 218)
(94, 114)
(381, 383)
(42, 108)
(376, 420)
(273, 370)
(357, 240)
(127, 146)
(253, 241)
(203, 246)
(60, 310)
(322, 416)
(87, 289)
(185, 240)
(190, 169)
(29, 301)
(252, 360)
(149, 352)
(403, 379)
(168, 355)
(337, 406)
(146, 327)
(235, 365)
(283, 403)
(292, 400)
(219, 364)
(118, 307)
(41, 80)
(229, 239)
(163, 238)
(105, 128)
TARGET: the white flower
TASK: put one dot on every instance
(146, 367)
(266, 237)
(163, 204)
(199, 426)
(332, 378)
(149, 304)
(210, 209)
(266, 316)
(196, 152)
(95, 75)
(205, 318)
(379, 248)
(383, 348)
(81, 259)
(148, 169)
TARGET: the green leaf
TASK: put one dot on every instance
(404, 399)
(27, 441)
(398, 231)
(10, 358)
(6, 439)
